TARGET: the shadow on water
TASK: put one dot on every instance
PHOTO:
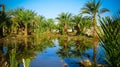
(45, 52)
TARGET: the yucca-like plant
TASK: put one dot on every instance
(110, 40)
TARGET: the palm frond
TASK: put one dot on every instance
(93, 8)
(97, 5)
(103, 10)
(110, 39)
(85, 11)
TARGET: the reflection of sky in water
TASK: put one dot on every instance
(100, 54)
(49, 58)
(4, 50)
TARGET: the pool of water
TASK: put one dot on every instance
(47, 52)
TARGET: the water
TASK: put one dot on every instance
(46, 52)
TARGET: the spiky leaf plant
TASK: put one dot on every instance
(110, 40)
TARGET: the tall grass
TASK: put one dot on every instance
(110, 39)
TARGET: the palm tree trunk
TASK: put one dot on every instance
(25, 30)
(95, 43)
(26, 42)
(65, 28)
(50, 29)
(11, 30)
(78, 29)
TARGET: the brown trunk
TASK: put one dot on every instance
(26, 42)
(65, 28)
(11, 30)
(78, 29)
(95, 43)
(50, 29)
(25, 30)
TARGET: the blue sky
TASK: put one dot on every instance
(51, 8)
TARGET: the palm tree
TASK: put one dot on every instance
(86, 25)
(24, 17)
(4, 21)
(93, 8)
(77, 20)
(50, 24)
(81, 23)
(64, 20)
(12, 25)
(38, 23)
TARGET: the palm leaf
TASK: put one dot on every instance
(110, 39)
(103, 10)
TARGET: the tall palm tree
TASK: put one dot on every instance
(93, 8)
(64, 19)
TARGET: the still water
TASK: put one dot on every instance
(46, 52)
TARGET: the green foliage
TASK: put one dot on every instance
(17, 52)
(24, 21)
(38, 24)
(3, 20)
(110, 40)
(50, 24)
(93, 8)
(81, 24)
(13, 62)
(64, 20)
(70, 48)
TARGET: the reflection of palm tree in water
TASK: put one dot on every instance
(3, 60)
(73, 48)
(64, 48)
(70, 48)
(77, 45)
(79, 48)
(15, 53)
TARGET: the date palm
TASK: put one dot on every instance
(93, 8)
(4, 21)
(64, 20)
(24, 17)
(77, 21)
(50, 23)
(81, 23)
